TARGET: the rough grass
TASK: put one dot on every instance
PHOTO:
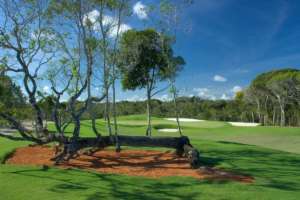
(277, 174)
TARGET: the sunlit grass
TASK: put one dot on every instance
(276, 173)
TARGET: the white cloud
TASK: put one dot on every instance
(164, 97)
(219, 78)
(91, 16)
(114, 30)
(140, 10)
(236, 89)
(201, 91)
(108, 22)
(204, 93)
(212, 97)
(225, 97)
(46, 89)
(135, 98)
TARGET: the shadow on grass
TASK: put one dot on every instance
(274, 169)
(210, 161)
(162, 126)
(226, 142)
(95, 186)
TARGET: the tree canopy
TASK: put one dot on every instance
(146, 57)
(10, 94)
(275, 90)
(142, 60)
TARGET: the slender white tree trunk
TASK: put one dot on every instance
(258, 110)
(107, 110)
(282, 116)
(274, 116)
(174, 92)
(149, 128)
(114, 110)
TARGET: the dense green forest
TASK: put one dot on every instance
(273, 98)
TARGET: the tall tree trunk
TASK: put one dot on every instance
(120, 10)
(76, 131)
(176, 108)
(274, 117)
(56, 119)
(149, 128)
(106, 87)
(106, 71)
(39, 126)
(282, 116)
(114, 110)
(266, 115)
(258, 110)
(39, 120)
(107, 114)
(282, 111)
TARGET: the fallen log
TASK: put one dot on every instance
(192, 155)
(181, 144)
(103, 141)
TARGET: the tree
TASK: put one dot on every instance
(169, 23)
(275, 89)
(12, 101)
(36, 34)
(121, 10)
(60, 78)
(78, 58)
(174, 65)
(283, 86)
(143, 63)
(110, 34)
(27, 47)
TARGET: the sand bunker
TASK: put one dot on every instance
(154, 164)
(248, 124)
(7, 131)
(185, 120)
(169, 130)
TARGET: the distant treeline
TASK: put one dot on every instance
(190, 107)
(195, 107)
(272, 98)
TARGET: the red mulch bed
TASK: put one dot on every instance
(154, 164)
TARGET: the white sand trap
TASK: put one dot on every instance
(185, 120)
(243, 124)
(169, 130)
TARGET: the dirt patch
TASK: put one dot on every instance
(154, 164)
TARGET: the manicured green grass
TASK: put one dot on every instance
(276, 173)
(284, 139)
(7, 146)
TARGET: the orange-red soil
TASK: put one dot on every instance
(154, 164)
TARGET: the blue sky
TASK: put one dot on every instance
(227, 43)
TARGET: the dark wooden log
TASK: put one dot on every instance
(136, 141)
(192, 155)
(181, 144)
